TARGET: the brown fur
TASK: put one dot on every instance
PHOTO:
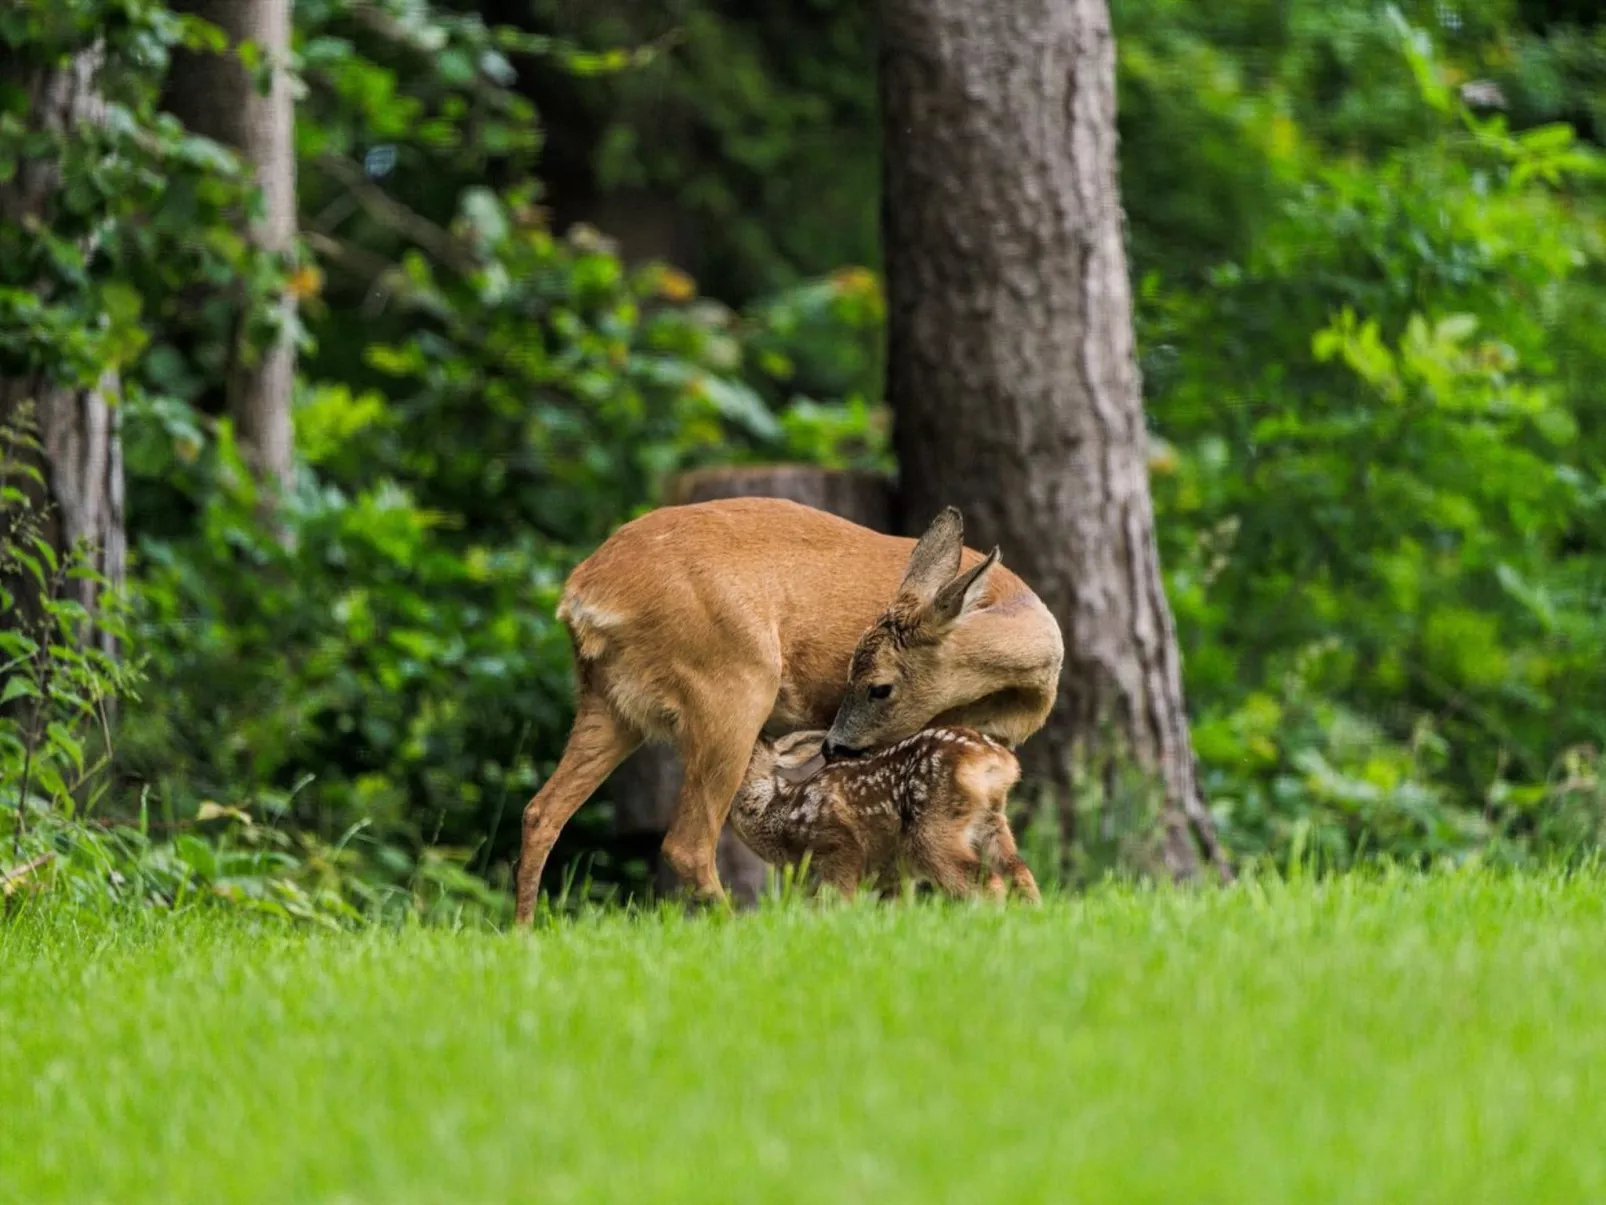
(707, 625)
(930, 807)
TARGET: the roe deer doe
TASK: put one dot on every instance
(929, 807)
(707, 625)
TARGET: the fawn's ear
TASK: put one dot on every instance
(799, 755)
(798, 773)
(799, 746)
(962, 594)
(935, 559)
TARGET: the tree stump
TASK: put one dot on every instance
(644, 787)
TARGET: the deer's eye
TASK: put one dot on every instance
(883, 691)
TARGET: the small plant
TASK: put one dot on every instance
(61, 679)
(66, 834)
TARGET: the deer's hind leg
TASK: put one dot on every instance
(597, 743)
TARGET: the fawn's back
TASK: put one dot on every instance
(929, 807)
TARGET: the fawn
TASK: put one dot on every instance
(930, 806)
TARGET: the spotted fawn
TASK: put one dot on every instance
(929, 807)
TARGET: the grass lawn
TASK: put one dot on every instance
(1414, 1040)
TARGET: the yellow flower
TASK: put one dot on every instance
(306, 281)
(676, 285)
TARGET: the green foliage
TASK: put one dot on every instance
(61, 829)
(1385, 530)
(761, 133)
(1370, 307)
(132, 229)
(57, 687)
(1558, 77)
(484, 401)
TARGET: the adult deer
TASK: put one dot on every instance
(707, 625)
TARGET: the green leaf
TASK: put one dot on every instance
(483, 208)
(1556, 136)
(43, 547)
(122, 302)
(66, 744)
(743, 406)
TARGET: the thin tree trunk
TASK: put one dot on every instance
(214, 95)
(645, 786)
(1012, 372)
(80, 454)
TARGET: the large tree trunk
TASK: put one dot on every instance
(78, 501)
(1012, 373)
(214, 95)
(645, 786)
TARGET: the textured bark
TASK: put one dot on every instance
(214, 95)
(81, 458)
(1012, 372)
(645, 786)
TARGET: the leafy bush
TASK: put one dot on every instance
(57, 712)
(1384, 523)
(482, 400)
(1370, 316)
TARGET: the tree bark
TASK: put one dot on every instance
(1012, 374)
(80, 454)
(214, 95)
(644, 787)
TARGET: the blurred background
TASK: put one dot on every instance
(548, 256)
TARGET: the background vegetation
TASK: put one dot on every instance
(1367, 244)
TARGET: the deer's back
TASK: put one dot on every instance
(744, 578)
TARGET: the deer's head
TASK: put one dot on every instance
(900, 677)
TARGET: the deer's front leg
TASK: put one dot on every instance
(715, 731)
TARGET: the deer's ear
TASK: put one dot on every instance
(963, 592)
(935, 558)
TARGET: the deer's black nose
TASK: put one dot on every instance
(836, 752)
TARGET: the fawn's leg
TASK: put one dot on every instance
(957, 877)
(597, 743)
(841, 867)
(715, 736)
(947, 857)
(1007, 861)
(1021, 875)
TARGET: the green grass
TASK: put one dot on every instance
(1405, 1041)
